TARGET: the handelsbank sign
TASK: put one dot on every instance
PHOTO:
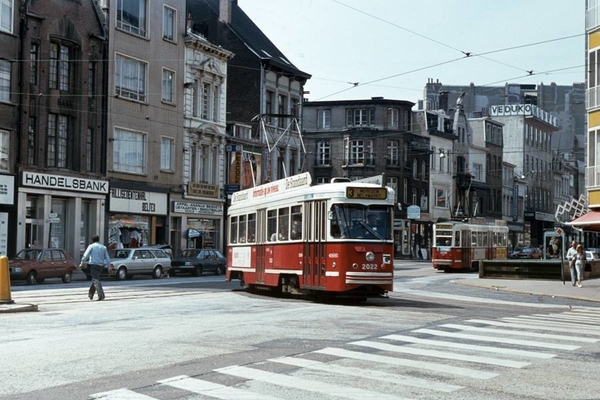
(60, 182)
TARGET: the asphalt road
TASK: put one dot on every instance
(182, 337)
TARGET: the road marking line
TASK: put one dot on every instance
(443, 369)
(528, 325)
(211, 389)
(464, 346)
(307, 385)
(584, 319)
(549, 321)
(498, 340)
(441, 354)
(520, 333)
(121, 394)
(368, 374)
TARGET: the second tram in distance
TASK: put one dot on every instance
(329, 239)
(460, 246)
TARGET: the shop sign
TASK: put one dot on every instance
(185, 207)
(138, 201)
(79, 184)
(413, 212)
(542, 216)
(203, 190)
(7, 189)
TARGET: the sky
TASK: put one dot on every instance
(358, 49)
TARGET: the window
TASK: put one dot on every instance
(394, 117)
(415, 169)
(205, 100)
(168, 85)
(5, 68)
(323, 119)
(360, 117)
(357, 152)
(32, 141)
(323, 152)
(129, 151)
(441, 198)
(392, 182)
(91, 83)
(60, 69)
(130, 78)
(414, 197)
(393, 152)
(33, 63)
(89, 150)
(477, 171)
(216, 106)
(269, 104)
(4, 146)
(6, 15)
(167, 146)
(169, 18)
(58, 139)
(424, 174)
(405, 191)
(131, 16)
(282, 110)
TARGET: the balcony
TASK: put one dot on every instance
(592, 177)
(591, 96)
(592, 17)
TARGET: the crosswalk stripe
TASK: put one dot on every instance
(519, 333)
(211, 389)
(529, 343)
(546, 321)
(307, 385)
(363, 373)
(587, 310)
(584, 319)
(529, 326)
(121, 394)
(441, 354)
(464, 346)
(444, 369)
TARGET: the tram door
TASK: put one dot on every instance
(467, 248)
(261, 239)
(315, 223)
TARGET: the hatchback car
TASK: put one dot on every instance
(125, 263)
(36, 265)
(529, 252)
(198, 261)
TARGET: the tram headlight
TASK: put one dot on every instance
(370, 256)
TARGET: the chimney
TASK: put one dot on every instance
(225, 10)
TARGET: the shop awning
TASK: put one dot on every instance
(589, 221)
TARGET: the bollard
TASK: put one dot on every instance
(4, 281)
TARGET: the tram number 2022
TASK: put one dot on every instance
(369, 266)
(148, 207)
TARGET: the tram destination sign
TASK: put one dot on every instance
(371, 193)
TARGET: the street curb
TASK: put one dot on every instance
(14, 308)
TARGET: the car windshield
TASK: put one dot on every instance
(528, 250)
(190, 253)
(28, 254)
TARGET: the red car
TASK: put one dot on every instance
(35, 265)
(528, 252)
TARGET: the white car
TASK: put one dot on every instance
(125, 263)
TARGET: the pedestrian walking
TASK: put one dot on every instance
(97, 257)
(580, 265)
(571, 258)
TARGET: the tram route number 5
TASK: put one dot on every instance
(151, 207)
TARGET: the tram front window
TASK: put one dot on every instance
(355, 221)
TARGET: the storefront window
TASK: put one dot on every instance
(127, 231)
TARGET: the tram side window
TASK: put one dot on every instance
(242, 229)
(284, 224)
(272, 225)
(465, 237)
(296, 232)
(457, 239)
(233, 231)
(473, 239)
(251, 228)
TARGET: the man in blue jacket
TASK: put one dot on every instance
(97, 258)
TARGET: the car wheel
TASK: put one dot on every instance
(197, 271)
(121, 274)
(66, 278)
(157, 273)
(31, 278)
(219, 270)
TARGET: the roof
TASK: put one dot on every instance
(260, 44)
(589, 221)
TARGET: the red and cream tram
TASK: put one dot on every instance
(460, 245)
(333, 238)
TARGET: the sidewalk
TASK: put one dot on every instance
(555, 288)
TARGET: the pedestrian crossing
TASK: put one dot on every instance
(447, 358)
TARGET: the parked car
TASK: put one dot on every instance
(125, 263)
(528, 252)
(198, 261)
(592, 254)
(36, 265)
(515, 252)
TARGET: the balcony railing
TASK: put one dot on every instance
(592, 97)
(592, 176)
